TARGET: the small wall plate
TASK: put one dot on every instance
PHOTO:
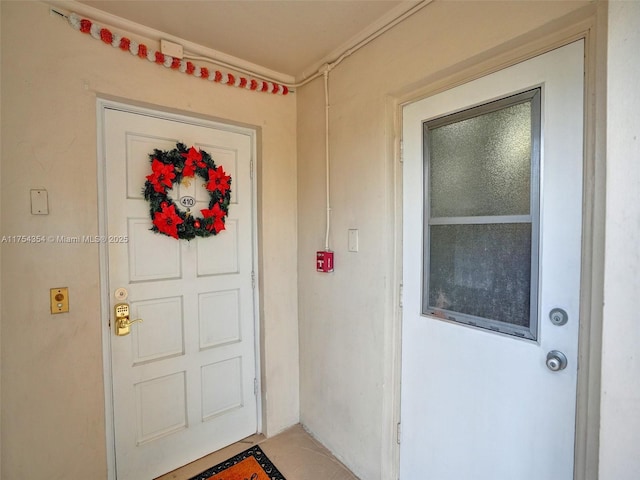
(59, 299)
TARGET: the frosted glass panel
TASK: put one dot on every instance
(482, 214)
(481, 166)
(481, 270)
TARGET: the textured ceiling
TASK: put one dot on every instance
(288, 37)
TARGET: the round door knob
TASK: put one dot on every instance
(556, 361)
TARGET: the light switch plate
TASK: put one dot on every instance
(353, 240)
(39, 202)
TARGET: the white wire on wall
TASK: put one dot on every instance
(323, 71)
(326, 155)
(331, 65)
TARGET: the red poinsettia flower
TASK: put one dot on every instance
(162, 176)
(218, 180)
(217, 214)
(194, 159)
(167, 220)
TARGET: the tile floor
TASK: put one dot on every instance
(294, 452)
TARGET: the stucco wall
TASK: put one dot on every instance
(347, 331)
(53, 410)
(52, 397)
(620, 408)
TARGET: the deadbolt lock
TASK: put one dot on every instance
(123, 322)
(558, 316)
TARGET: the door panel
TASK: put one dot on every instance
(478, 404)
(183, 379)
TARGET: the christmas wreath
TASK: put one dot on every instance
(178, 166)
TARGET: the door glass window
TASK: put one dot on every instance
(481, 215)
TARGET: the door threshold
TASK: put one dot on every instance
(200, 465)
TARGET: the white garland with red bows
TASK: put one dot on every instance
(141, 50)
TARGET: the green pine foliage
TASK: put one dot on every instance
(192, 226)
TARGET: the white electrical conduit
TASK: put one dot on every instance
(331, 65)
(324, 71)
(326, 154)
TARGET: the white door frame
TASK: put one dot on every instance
(592, 263)
(101, 105)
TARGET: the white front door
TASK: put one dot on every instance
(492, 186)
(184, 379)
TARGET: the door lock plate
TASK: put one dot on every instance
(123, 322)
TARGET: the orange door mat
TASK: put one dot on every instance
(252, 464)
